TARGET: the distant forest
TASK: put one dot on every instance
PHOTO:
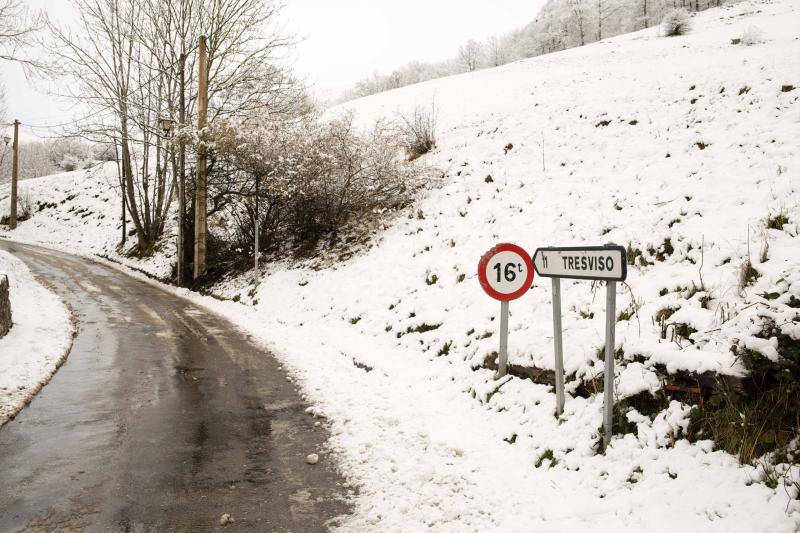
(44, 157)
(561, 24)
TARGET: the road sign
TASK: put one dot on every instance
(585, 262)
(505, 272)
(582, 262)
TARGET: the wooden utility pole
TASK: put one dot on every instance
(256, 230)
(181, 171)
(123, 216)
(201, 192)
(12, 223)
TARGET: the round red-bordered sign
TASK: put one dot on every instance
(505, 272)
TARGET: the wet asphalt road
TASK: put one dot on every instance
(163, 418)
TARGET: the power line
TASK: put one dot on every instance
(106, 109)
(71, 122)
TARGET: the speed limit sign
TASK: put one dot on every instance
(505, 272)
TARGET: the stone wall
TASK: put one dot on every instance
(5, 306)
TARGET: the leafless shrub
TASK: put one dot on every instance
(751, 35)
(24, 209)
(316, 180)
(676, 22)
(25, 206)
(418, 129)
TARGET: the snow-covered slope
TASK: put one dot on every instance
(684, 148)
(636, 140)
(38, 341)
(79, 212)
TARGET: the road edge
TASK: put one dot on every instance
(33, 391)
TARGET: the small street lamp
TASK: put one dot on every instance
(6, 139)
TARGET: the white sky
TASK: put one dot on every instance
(343, 41)
(347, 40)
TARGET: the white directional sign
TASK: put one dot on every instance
(586, 262)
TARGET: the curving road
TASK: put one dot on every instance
(163, 418)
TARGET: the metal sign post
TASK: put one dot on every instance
(505, 273)
(502, 358)
(608, 382)
(558, 346)
(606, 263)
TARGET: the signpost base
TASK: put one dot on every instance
(608, 390)
(502, 359)
(557, 341)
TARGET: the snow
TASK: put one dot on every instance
(37, 343)
(425, 454)
(79, 212)
(632, 140)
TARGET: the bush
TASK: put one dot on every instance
(418, 130)
(25, 207)
(69, 163)
(103, 152)
(763, 417)
(24, 210)
(317, 180)
(343, 175)
(676, 22)
(752, 35)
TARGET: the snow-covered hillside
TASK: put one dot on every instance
(683, 149)
(79, 212)
(675, 145)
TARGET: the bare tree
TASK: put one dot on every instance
(18, 27)
(469, 55)
(133, 62)
(652, 11)
(495, 51)
(3, 105)
(579, 16)
(606, 11)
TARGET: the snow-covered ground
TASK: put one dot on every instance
(37, 343)
(681, 148)
(79, 212)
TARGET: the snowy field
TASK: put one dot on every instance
(684, 149)
(37, 343)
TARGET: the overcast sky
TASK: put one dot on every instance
(342, 41)
(347, 40)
